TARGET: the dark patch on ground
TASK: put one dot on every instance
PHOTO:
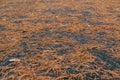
(45, 33)
(87, 14)
(35, 21)
(17, 22)
(2, 28)
(111, 63)
(48, 21)
(25, 47)
(111, 42)
(42, 72)
(92, 76)
(22, 16)
(40, 47)
(93, 23)
(65, 10)
(52, 73)
(72, 71)
(5, 62)
(81, 38)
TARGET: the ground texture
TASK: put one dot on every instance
(60, 39)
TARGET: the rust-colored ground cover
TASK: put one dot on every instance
(60, 39)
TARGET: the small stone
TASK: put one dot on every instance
(15, 60)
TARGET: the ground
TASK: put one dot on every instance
(59, 40)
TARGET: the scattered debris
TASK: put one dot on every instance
(15, 59)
